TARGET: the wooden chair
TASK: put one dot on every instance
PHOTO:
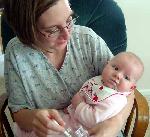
(140, 110)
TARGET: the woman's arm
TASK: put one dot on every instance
(104, 129)
(28, 119)
(39, 120)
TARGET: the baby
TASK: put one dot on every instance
(104, 96)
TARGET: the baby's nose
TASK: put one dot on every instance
(118, 75)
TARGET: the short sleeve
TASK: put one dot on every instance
(100, 52)
(90, 48)
(14, 86)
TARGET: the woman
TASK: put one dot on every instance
(48, 61)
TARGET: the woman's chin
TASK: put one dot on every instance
(62, 42)
(62, 45)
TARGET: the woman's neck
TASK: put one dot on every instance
(54, 56)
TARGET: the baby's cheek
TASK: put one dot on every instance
(123, 87)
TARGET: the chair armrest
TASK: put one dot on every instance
(3, 104)
(3, 98)
(141, 110)
(4, 122)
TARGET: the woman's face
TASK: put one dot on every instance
(54, 26)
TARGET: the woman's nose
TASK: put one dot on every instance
(65, 33)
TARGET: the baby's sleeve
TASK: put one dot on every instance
(89, 115)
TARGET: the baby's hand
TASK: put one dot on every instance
(65, 111)
(76, 100)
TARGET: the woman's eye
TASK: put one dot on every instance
(52, 31)
(69, 20)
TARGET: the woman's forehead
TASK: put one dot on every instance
(55, 15)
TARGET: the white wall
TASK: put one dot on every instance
(137, 16)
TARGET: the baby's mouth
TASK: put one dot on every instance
(111, 83)
(114, 83)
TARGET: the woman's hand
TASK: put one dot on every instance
(47, 122)
(42, 121)
(104, 129)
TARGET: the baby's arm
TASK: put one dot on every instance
(76, 100)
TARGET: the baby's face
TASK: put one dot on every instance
(120, 74)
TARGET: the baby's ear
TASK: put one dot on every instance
(133, 87)
(108, 60)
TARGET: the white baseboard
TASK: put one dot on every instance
(144, 91)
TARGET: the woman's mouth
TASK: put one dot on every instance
(62, 42)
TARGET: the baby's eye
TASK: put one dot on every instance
(115, 67)
(127, 78)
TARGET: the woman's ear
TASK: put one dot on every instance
(107, 62)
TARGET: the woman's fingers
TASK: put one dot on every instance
(55, 115)
(53, 125)
(42, 116)
(38, 127)
(99, 130)
(48, 122)
(41, 134)
(94, 131)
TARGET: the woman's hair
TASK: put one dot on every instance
(22, 16)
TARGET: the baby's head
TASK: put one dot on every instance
(123, 71)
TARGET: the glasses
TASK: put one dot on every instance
(56, 30)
